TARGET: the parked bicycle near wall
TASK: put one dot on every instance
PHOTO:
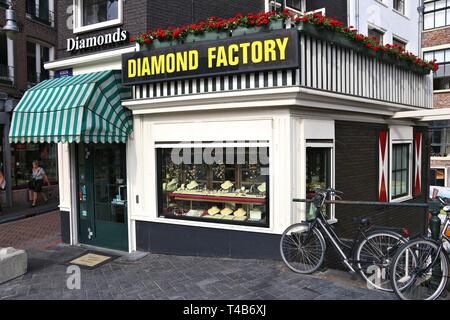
(303, 245)
(420, 268)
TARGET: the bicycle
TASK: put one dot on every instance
(420, 268)
(303, 245)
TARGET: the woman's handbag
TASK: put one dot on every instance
(31, 184)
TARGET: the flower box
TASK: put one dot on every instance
(206, 36)
(276, 25)
(344, 41)
(242, 31)
(156, 44)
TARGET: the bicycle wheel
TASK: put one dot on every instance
(416, 274)
(302, 248)
(374, 255)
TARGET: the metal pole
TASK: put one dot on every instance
(435, 222)
(370, 203)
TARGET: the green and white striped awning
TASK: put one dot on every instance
(84, 108)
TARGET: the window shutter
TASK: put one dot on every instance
(383, 166)
(418, 163)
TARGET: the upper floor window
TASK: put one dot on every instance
(399, 42)
(442, 76)
(41, 10)
(399, 5)
(436, 14)
(6, 69)
(97, 14)
(297, 5)
(376, 34)
(440, 138)
(37, 56)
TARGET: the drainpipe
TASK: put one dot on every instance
(420, 9)
(357, 14)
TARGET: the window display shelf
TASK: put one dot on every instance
(218, 198)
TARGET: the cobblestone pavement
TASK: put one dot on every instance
(173, 277)
(38, 232)
(157, 276)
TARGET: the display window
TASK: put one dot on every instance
(22, 157)
(222, 184)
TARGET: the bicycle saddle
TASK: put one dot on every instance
(362, 220)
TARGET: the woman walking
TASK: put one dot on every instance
(37, 181)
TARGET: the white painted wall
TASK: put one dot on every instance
(380, 14)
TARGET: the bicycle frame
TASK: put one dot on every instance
(334, 238)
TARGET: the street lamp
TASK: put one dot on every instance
(11, 29)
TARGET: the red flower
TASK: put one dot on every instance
(305, 18)
(368, 45)
(147, 40)
(375, 48)
(131, 39)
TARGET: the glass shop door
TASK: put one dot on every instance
(102, 195)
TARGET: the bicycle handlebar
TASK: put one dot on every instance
(330, 191)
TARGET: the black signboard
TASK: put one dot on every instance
(265, 51)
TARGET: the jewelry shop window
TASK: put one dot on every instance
(224, 183)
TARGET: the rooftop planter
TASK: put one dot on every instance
(317, 25)
(334, 31)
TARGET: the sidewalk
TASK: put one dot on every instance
(156, 276)
(25, 210)
(37, 232)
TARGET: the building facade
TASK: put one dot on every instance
(22, 67)
(436, 45)
(207, 160)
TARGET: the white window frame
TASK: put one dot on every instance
(78, 18)
(331, 146)
(410, 160)
(270, 4)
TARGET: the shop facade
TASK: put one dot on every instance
(204, 152)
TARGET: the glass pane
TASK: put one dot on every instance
(440, 4)
(223, 185)
(97, 11)
(436, 136)
(429, 20)
(405, 152)
(428, 56)
(429, 6)
(110, 182)
(439, 56)
(439, 19)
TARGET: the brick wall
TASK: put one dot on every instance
(29, 30)
(442, 100)
(357, 176)
(436, 37)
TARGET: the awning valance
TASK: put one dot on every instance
(83, 108)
